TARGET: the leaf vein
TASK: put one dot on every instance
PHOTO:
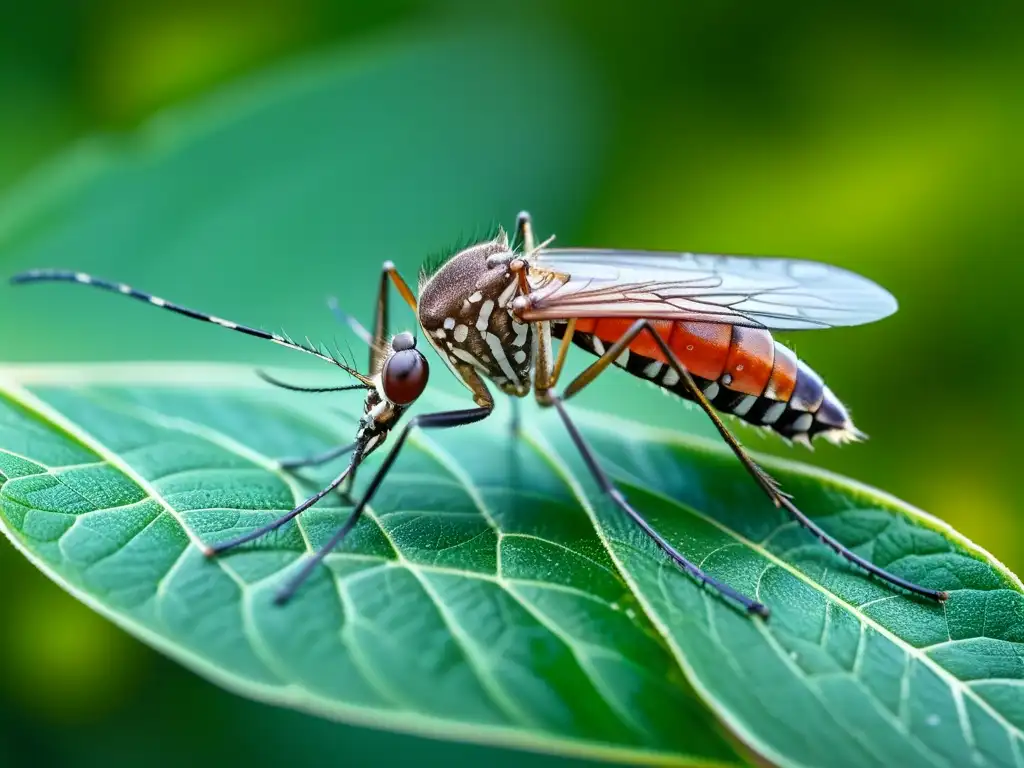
(477, 663)
(579, 652)
(950, 680)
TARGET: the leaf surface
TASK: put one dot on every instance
(492, 594)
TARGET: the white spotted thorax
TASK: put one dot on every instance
(465, 309)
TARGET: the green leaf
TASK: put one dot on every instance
(493, 594)
(454, 609)
(846, 672)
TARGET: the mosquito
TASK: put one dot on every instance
(696, 325)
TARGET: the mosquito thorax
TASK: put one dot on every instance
(465, 309)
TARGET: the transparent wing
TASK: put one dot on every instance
(780, 294)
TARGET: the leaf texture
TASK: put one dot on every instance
(492, 594)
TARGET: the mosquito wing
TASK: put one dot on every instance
(780, 294)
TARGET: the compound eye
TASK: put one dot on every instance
(405, 376)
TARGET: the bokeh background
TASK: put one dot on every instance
(888, 138)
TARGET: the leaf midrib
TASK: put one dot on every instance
(298, 696)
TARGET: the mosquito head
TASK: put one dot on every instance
(465, 312)
(404, 374)
(400, 380)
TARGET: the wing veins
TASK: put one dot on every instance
(734, 290)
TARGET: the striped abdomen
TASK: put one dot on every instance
(741, 371)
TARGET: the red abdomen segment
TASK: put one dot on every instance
(742, 371)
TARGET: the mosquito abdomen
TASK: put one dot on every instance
(741, 371)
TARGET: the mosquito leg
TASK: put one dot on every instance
(345, 489)
(766, 481)
(763, 478)
(345, 318)
(563, 351)
(400, 285)
(215, 549)
(379, 340)
(315, 459)
(524, 232)
(545, 369)
(516, 422)
(442, 420)
(548, 398)
(616, 496)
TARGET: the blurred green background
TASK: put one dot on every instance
(885, 139)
